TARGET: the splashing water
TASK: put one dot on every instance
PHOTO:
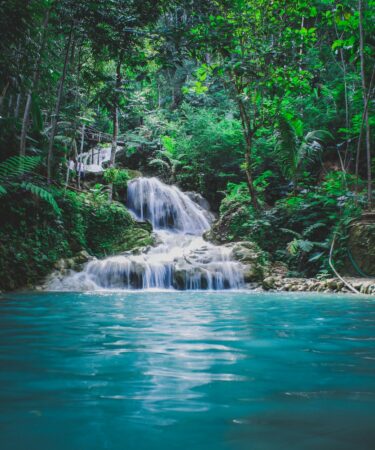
(181, 260)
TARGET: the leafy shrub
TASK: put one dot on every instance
(299, 228)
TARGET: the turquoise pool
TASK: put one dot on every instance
(174, 370)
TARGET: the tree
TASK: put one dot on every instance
(246, 44)
(365, 109)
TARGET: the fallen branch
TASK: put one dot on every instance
(347, 284)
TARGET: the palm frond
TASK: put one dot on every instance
(312, 146)
(318, 135)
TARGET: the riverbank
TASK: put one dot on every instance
(331, 285)
(35, 240)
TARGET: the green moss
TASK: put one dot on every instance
(33, 238)
(132, 239)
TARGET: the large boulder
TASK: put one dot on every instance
(254, 260)
(134, 239)
(225, 229)
(184, 272)
(361, 246)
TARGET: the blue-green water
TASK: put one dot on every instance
(212, 371)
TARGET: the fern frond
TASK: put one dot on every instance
(159, 162)
(318, 135)
(285, 148)
(3, 191)
(305, 245)
(312, 146)
(297, 245)
(292, 247)
(308, 230)
(293, 233)
(18, 165)
(316, 256)
(43, 194)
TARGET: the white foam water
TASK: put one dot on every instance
(181, 259)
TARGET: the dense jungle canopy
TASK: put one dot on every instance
(264, 107)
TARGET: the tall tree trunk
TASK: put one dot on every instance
(364, 93)
(57, 107)
(80, 153)
(2, 95)
(17, 108)
(115, 121)
(34, 84)
(249, 177)
(248, 132)
(248, 135)
(346, 161)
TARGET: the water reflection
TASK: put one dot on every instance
(178, 370)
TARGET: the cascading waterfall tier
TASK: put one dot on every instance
(166, 207)
(97, 158)
(181, 259)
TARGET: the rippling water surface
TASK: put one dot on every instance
(169, 371)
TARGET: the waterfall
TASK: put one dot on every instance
(166, 207)
(181, 260)
(95, 159)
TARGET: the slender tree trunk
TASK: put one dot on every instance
(249, 178)
(365, 110)
(364, 93)
(10, 103)
(81, 152)
(67, 176)
(345, 162)
(17, 108)
(57, 107)
(301, 46)
(34, 83)
(2, 95)
(115, 122)
(248, 135)
(347, 121)
(248, 132)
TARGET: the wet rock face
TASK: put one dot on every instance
(221, 230)
(189, 277)
(246, 252)
(362, 246)
(74, 263)
(253, 258)
(199, 199)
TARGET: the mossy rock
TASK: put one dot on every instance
(361, 246)
(132, 239)
(253, 258)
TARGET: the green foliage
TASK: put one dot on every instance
(299, 228)
(118, 177)
(205, 92)
(32, 239)
(295, 154)
(12, 172)
(39, 237)
(204, 151)
(43, 194)
(16, 166)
